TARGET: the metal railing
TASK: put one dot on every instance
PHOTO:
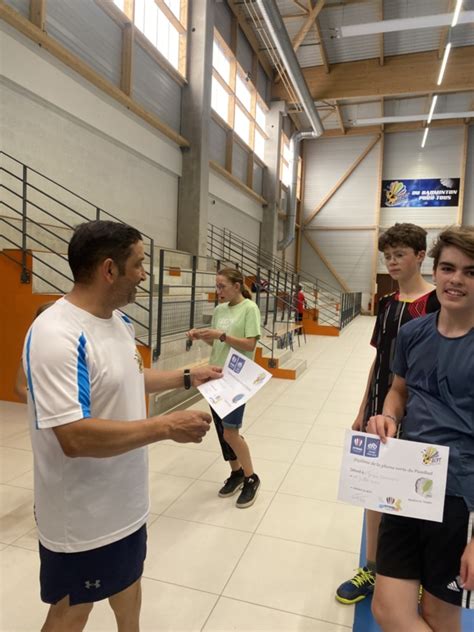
(324, 299)
(38, 217)
(39, 214)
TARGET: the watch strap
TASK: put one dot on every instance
(187, 379)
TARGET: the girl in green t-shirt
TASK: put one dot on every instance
(236, 324)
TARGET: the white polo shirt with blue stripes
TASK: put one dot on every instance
(79, 366)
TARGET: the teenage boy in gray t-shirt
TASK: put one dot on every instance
(432, 395)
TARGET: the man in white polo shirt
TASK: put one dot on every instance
(90, 430)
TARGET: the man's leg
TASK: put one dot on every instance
(395, 606)
(126, 606)
(65, 618)
(439, 614)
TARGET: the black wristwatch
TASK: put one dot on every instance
(187, 379)
(223, 337)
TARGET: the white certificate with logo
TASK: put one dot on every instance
(404, 478)
(242, 378)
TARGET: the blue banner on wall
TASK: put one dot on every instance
(425, 192)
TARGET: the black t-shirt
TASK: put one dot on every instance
(392, 314)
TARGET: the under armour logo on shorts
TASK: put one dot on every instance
(89, 584)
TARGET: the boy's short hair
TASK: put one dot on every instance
(93, 242)
(461, 237)
(406, 234)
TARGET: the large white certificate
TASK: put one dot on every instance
(241, 379)
(405, 478)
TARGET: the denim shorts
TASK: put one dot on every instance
(234, 419)
(93, 575)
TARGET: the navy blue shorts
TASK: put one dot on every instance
(92, 575)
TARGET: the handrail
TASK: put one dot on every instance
(275, 281)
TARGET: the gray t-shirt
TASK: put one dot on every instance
(439, 374)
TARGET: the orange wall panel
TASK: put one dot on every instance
(17, 309)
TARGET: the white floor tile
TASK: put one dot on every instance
(13, 463)
(16, 513)
(287, 429)
(326, 456)
(311, 482)
(165, 489)
(313, 522)
(24, 480)
(193, 555)
(201, 503)
(274, 449)
(294, 577)
(294, 414)
(165, 608)
(326, 435)
(230, 614)
(21, 608)
(179, 461)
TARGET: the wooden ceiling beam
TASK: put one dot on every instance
(400, 75)
(392, 128)
(381, 36)
(308, 23)
(340, 118)
(443, 40)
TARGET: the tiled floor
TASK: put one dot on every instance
(210, 566)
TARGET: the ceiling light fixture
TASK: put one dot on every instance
(432, 108)
(444, 62)
(457, 11)
(425, 135)
(403, 24)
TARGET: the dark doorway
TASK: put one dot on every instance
(385, 285)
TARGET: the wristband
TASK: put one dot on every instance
(187, 379)
(390, 417)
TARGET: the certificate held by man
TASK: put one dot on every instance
(241, 379)
(404, 478)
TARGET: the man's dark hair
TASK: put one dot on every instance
(461, 237)
(93, 242)
(409, 235)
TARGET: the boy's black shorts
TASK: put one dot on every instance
(409, 548)
(92, 575)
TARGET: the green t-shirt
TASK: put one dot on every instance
(241, 320)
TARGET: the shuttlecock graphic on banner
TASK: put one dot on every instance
(447, 182)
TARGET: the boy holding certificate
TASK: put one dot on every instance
(432, 394)
(404, 249)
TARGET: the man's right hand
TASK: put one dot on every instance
(188, 426)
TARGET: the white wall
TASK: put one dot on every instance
(61, 125)
(468, 213)
(441, 158)
(354, 204)
(233, 209)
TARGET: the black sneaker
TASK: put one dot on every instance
(233, 483)
(249, 492)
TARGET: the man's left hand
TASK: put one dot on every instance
(203, 374)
